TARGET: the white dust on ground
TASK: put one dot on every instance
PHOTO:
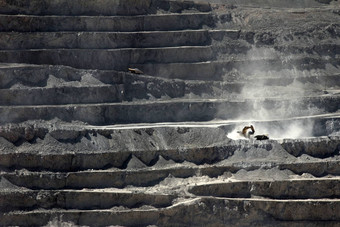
(290, 130)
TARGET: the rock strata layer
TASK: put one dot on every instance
(84, 142)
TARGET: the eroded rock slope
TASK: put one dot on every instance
(83, 142)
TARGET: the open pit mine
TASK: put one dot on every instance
(131, 112)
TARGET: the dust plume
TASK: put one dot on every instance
(274, 97)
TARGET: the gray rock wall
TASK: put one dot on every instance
(276, 3)
(83, 142)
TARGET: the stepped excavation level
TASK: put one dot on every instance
(170, 113)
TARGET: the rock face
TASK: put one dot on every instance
(84, 142)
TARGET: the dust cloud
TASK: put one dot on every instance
(274, 102)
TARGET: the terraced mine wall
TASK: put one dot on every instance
(84, 142)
